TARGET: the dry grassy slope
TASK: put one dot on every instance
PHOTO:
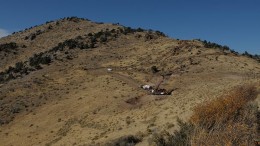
(60, 31)
(77, 102)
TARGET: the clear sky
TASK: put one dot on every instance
(235, 23)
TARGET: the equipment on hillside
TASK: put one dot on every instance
(156, 90)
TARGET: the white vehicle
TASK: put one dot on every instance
(146, 87)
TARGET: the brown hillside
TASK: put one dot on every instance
(65, 95)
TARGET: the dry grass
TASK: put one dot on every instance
(82, 87)
(230, 120)
(227, 120)
(224, 108)
(178, 138)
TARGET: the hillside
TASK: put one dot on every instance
(77, 82)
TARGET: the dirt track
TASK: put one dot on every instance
(114, 73)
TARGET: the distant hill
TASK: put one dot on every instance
(77, 82)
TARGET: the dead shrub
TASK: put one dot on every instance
(224, 108)
(228, 120)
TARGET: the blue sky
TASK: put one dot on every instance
(235, 23)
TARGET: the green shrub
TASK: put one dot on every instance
(7, 47)
(160, 33)
(154, 69)
(38, 59)
(98, 34)
(247, 54)
(125, 141)
(178, 138)
(127, 30)
(140, 29)
(103, 38)
(93, 39)
(208, 44)
(225, 47)
(18, 67)
(33, 36)
(50, 27)
(74, 19)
